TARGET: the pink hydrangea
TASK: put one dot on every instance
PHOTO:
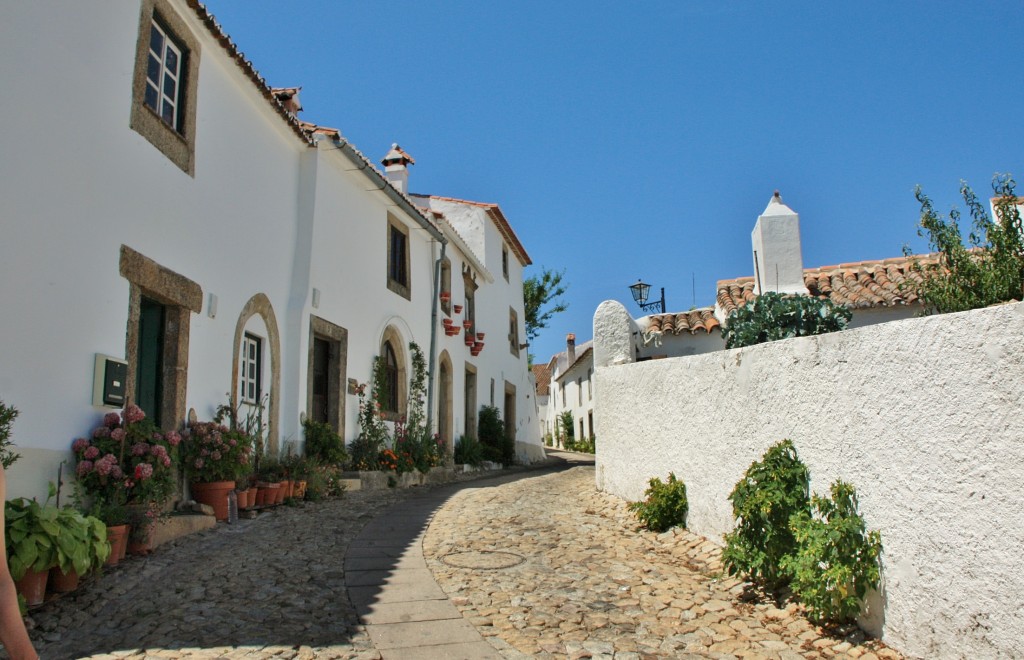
(116, 472)
(118, 435)
(143, 471)
(166, 460)
(111, 419)
(91, 452)
(101, 432)
(84, 468)
(105, 465)
(173, 439)
(79, 445)
(158, 450)
(133, 414)
(233, 442)
(204, 452)
(140, 449)
(157, 437)
(215, 456)
(200, 463)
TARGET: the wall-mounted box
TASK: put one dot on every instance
(110, 377)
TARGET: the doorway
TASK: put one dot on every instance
(150, 362)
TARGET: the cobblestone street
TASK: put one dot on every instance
(537, 563)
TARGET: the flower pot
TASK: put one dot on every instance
(480, 337)
(457, 309)
(117, 535)
(253, 490)
(243, 498)
(214, 494)
(445, 296)
(468, 325)
(32, 586)
(300, 490)
(283, 491)
(447, 323)
(61, 583)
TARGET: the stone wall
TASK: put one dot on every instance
(922, 415)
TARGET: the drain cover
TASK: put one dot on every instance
(483, 559)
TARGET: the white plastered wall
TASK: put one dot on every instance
(921, 415)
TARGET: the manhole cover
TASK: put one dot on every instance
(483, 559)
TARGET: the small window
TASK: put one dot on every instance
(513, 332)
(469, 287)
(590, 386)
(579, 395)
(252, 369)
(398, 258)
(446, 286)
(163, 76)
(390, 395)
(563, 396)
(504, 261)
(165, 83)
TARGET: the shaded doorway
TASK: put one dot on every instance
(150, 361)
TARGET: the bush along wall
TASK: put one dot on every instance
(818, 546)
(665, 505)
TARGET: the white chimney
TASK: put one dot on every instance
(396, 168)
(570, 349)
(778, 264)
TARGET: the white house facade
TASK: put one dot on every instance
(165, 208)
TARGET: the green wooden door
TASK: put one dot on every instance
(149, 371)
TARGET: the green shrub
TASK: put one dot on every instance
(468, 451)
(7, 455)
(497, 447)
(323, 444)
(567, 432)
(665, 505)
(586, 445)
(837, 559)
(773, 316)
(324, 481)
(772, 491)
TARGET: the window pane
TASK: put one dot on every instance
(168, 113)
(153, 70)
(152, 97)
(170, 88)
(171, 60)
(156, 40)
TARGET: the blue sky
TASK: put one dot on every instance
(642, 140)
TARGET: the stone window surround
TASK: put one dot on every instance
(338, 337)
(178, 145)
(394, 337)
(259, 305)
(470, 402)
(513, 331)
(445, 411)
(403, 289)
(182, 297)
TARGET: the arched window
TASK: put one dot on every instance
(390, 402)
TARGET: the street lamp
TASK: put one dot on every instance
(640, 291)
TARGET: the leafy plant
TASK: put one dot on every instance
(7, 455)
(497, 446)
(565, 422)
(771, 492)
(323, 444)
(665, 505)
(538, 292)
(992, 272)
(469, 451)
(837, 559)
(324, 481)
(30, 532)
(81, 543)
(213, 452)
(585, 445)
(773, 316)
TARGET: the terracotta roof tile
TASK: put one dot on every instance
(856, 285)
(542, 373)
(692, 321)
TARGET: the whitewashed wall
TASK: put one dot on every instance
(922, 415)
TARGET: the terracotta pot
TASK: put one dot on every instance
(214, 494)
(300, 490)
(243, 498)
(253, 490)
(467, 325)
(122, 548)
(267, 494)
(32, 586)
(457, 309)
(445, 296)
(140, 538)
(117, 535)
(480, 336)
(61, 583)
(282, 492)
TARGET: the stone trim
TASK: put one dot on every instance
(260, 305)
(446, 390)
(338, 336)
(470, 400)
(181, 296)
(178, 145)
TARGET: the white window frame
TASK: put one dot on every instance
(251, 369)
(164, 75)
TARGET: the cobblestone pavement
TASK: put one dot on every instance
(547, 567)
(272, 587)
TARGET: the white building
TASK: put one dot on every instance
(571, 390)
(188, 224)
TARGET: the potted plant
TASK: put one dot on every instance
(30, 529)
(81, 545)
(215, 456)
(269, 482)
(457, 309)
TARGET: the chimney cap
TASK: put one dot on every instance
(777, 207)
(570, 337)
(397, 156)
